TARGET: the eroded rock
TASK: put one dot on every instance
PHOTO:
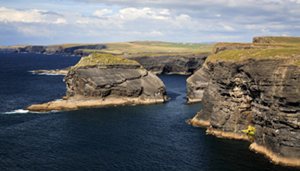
(259, 91)
(102, 80)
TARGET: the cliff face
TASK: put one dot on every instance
(257, 88)
(59, 49)
(114, 81)
(196, 84)
(183, 65)
(198, 81)
(265, 94)
(180, 65)
(101, 80)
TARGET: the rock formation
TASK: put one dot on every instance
(196, 84)
(256, 88)
(198, 81)
(102, 79)
(182, 65)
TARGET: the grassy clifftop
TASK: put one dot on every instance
(104, 59)
(287, 48)
(153, 48)
(126, 49)
(277, 40)
(242, 54)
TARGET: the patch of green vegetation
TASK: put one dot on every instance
(232, 44)
(172, 44)
(250, 131)
(150, 48)
(243, 54)
(255, 45)
(113, 52)
(297, 62)
(104, 59)
(278, 39)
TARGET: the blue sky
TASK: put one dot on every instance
(91, 21)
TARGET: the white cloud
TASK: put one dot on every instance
(102, 12)
(147, 13)
(29, 16)
(134, 16)
(170, 20)
(156, 33)
(35, 31)
(228, 27)
(60, 21)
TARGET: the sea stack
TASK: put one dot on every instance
(253, 93)
(103, 80)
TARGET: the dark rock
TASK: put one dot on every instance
(183, 65)
(101, 80)
(263, 93)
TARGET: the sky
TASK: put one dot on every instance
(42, 22)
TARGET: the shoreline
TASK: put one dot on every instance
(227, 135)
(50, 72)
(273, 157)
(79, 103)
(198, 123)
(192, 101)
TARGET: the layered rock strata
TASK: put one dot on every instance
(257, 88)
(182, 65)
(101, 80)
(198, 81)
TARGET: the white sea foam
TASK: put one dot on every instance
(49, 74)
(23, 111)
(18, 111)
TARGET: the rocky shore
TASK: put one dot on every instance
(104, 80)
(253, 94)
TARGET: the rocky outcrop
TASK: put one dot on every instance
(59, 49)
(198, 81)
(276, 40)
(219, 47)
(196, 84)
(101, 80)
(256, 88)
(182, 65)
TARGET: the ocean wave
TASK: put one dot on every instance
(23, 111)
(49, 74)
(17, 111)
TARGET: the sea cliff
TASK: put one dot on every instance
(254, 94)
(102, 80)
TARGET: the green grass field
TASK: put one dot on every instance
(104, 59)
(278, 40)
(287, 48)
(150, 48)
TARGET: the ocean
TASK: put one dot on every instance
(145, 137)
